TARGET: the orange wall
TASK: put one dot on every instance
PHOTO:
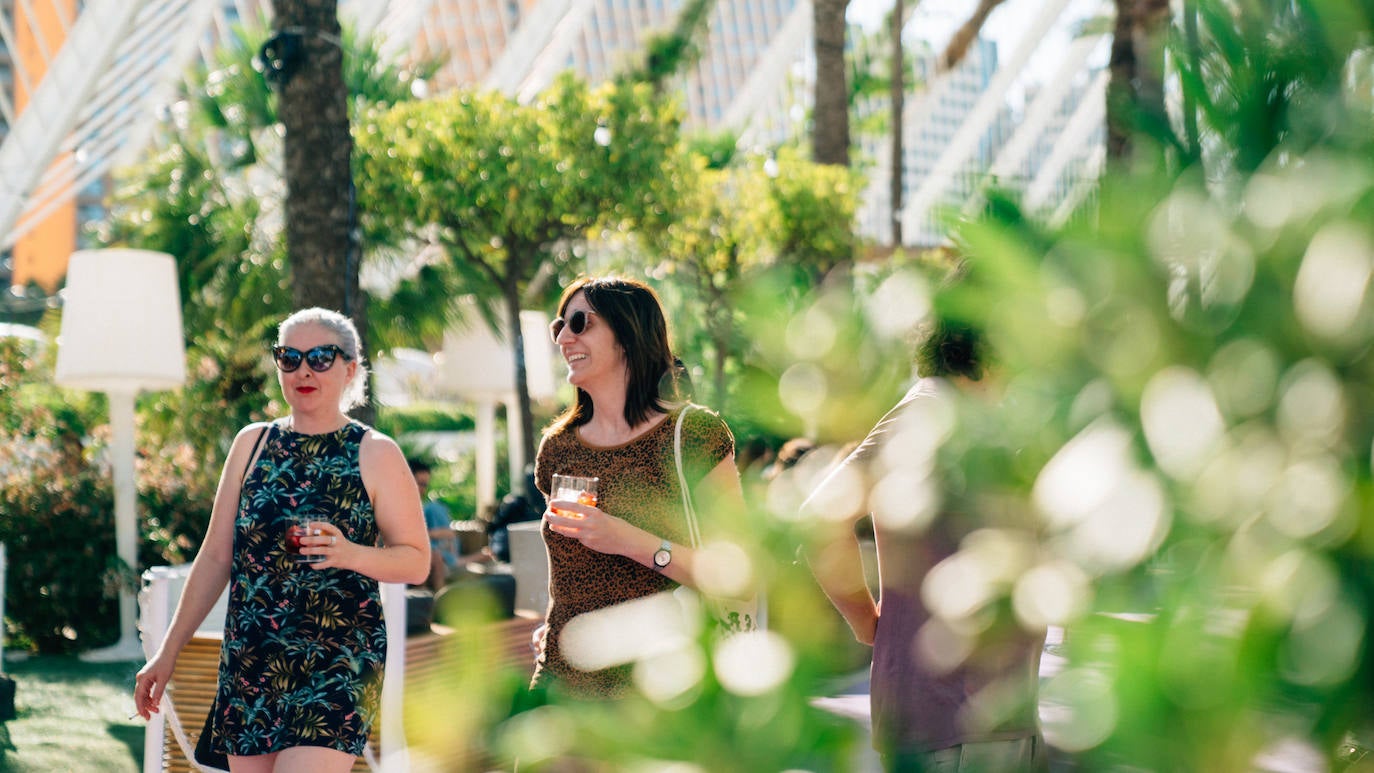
(41, 255)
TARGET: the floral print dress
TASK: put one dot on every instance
(301, 663)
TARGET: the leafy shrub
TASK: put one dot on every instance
(56, 506)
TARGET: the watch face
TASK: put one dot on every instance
(662, 557)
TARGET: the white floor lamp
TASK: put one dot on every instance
(476, 365)
(121, 333)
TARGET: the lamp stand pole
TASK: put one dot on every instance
(126, 528)
(486, 453)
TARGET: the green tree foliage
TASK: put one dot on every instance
(718, 235)
(501, 190)
(815, 206)
(1175, 447)
(729, 227)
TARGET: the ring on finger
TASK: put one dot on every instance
(333, 539)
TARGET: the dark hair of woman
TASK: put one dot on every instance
(951, 348)
(635, 316)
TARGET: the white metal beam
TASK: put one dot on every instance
(1038, 114)
(367, 14)
(97, 103)
(400, 26)
(539, 47)
(1086, 183)
(1072, 143)
(35, 137)
(975, 125)
(770, 73)
(8, 39)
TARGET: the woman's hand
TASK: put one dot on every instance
(150, 683)
(596, 529)
(326, 539)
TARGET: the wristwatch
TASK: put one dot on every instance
(663, 556)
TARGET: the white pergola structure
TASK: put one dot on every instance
(90, 95)
(1066, 147)
(96, 80)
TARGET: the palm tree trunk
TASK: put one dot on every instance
(830, 120)
(1135, 90)
(516, 337)
(963, 38)
(320, 226)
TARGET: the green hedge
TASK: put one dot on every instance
(56, 510)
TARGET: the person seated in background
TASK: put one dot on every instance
(443, 543)
(788, 456)
(517, 506)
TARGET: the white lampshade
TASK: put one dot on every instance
(121, 322)
(475, 364)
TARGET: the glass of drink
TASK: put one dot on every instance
(296, 528)
(577, 488)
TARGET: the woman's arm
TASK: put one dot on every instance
(404, 553)
(209, 574)
(837, 564)
(605, 533)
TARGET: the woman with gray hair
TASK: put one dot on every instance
(312, 512)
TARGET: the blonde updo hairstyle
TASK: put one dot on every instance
(355, 394)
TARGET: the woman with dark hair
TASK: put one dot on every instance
(621, 429)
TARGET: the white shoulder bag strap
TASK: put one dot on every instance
(693, 530)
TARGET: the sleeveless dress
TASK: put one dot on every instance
(638, 484)
(301, 663)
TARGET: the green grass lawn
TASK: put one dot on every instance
(73, 716)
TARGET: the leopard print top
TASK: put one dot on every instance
(638, 484)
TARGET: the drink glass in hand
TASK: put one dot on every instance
(297, 527)
(576, 488)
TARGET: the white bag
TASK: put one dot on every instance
(730, 616)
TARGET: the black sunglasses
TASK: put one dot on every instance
(576, 322)
(320, 358)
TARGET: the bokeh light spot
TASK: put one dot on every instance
(811, 334)
(899, 304)
(753, 663)
(1235, 484)
(1307, 497)
(1125, 530)
(905, 501)
(1182, 423)
(1329, 292)
(957, 587)
(1325, 650)
(1243, 375)
(543, 733)
(1312, 408)
(1052, 593)
(1082, 474)
(1298, 585)
(803, 389)
(723, 569)
(1077, 709)
(941, 647)
(842, 494)
(669, 675)
(626, 632)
